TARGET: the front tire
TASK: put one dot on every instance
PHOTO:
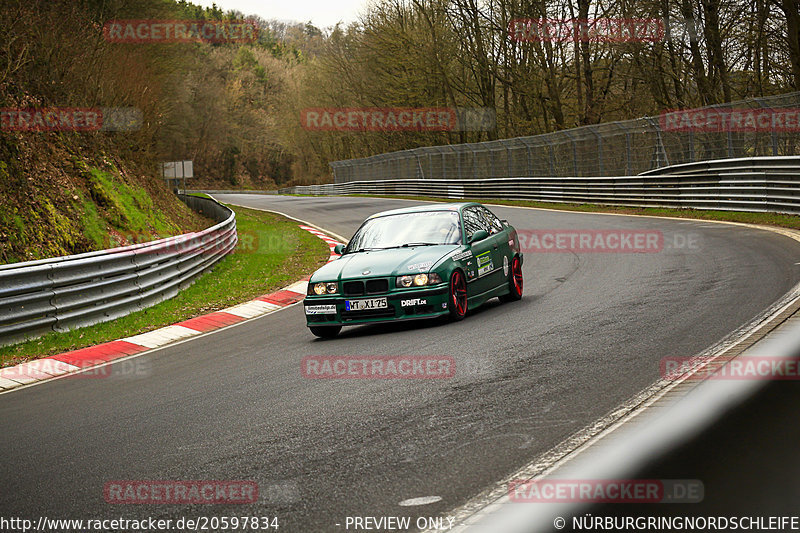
(325, 332)
(458, 296)
(514, 282)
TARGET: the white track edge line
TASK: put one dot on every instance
(336, 235)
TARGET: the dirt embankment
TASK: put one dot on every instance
(68, 193)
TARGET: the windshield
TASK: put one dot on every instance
(407, 229)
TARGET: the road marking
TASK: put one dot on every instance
(8, 383)
(332, 234)
(161, 336)
(423, 500)
(301, 287)
(252, 309)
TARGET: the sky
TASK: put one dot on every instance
(321, 13)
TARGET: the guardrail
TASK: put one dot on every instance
(724, 433)
(758, 184)
(778, 165)
(64, 293)
(230, 191)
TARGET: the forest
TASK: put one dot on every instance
(235, 108)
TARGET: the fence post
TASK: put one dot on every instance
(774, 134)
(529, 161)
(659, 148)
(574, 152)
(730, 143)
(599, 151)
(628, 169)
(508, 159)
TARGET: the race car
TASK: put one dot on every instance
(416, 263)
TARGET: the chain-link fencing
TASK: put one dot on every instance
(757, 127)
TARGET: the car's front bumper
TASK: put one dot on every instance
(406, 304)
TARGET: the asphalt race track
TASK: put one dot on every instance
(588, 335)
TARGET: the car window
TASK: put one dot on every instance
(424, 227)
(474, 220)
(492, 219)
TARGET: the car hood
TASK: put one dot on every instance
(384, 263)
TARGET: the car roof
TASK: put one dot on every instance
(457, 206)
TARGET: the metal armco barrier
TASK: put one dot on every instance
(725, 433)
(757, 184)
(229, 191)
(64, 293)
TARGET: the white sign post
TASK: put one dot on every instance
(175, 170)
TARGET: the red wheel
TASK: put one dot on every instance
(458, 296)
(514, 282)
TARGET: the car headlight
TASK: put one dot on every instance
(321, 288)
(418, 280)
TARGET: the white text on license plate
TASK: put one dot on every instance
(364, 305)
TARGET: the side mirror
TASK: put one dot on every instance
(505, 222)
(338, 249)
(479, 235)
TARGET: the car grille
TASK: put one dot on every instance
(419, 310)
(353, 288)
(360, 288)
(377, 286)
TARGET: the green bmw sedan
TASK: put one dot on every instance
(416, 263)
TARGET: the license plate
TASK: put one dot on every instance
(365, 305)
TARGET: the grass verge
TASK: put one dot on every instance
(272, 252)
